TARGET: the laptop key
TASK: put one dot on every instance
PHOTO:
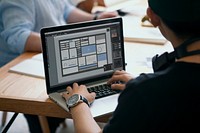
(102, 91)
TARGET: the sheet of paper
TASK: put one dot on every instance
(38, 57)
(119, 4)
(31, 67)
(135, 32)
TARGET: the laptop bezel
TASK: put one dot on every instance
(44, 30)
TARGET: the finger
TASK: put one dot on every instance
(115, 78)
(118, 86)
(93, 95)
(83, 87)
(75, 86)
(69, 89)
(119, 72)
(116, 72)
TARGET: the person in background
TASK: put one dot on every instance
(21, 21)
(165, 101)
(20, 24)
(87, 5)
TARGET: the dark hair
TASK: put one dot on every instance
(181, 16)
(183, 29)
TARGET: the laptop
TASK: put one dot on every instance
(87, 53)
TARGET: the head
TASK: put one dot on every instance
(182, 17)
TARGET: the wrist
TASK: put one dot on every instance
(81, 107)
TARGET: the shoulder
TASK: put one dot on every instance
(17, 5)
(16, 2)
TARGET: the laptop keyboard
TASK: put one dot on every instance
(102, 90)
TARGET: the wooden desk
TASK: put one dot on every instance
(26, 94)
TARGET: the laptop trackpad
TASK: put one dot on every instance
(104, 105)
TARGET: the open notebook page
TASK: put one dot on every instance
(31, 67)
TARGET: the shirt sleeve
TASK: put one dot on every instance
(130, 114)
(68, 9)
(17, 21)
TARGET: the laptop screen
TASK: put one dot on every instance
(82, 52)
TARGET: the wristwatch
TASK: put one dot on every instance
(75, 100)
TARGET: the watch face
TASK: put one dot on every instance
(73, 100)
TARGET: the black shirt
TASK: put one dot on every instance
(163, 102)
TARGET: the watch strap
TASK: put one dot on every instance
(85, 100)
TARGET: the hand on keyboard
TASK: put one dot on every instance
(119, 79)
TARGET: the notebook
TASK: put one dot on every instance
(87, 53)
(31, 67)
